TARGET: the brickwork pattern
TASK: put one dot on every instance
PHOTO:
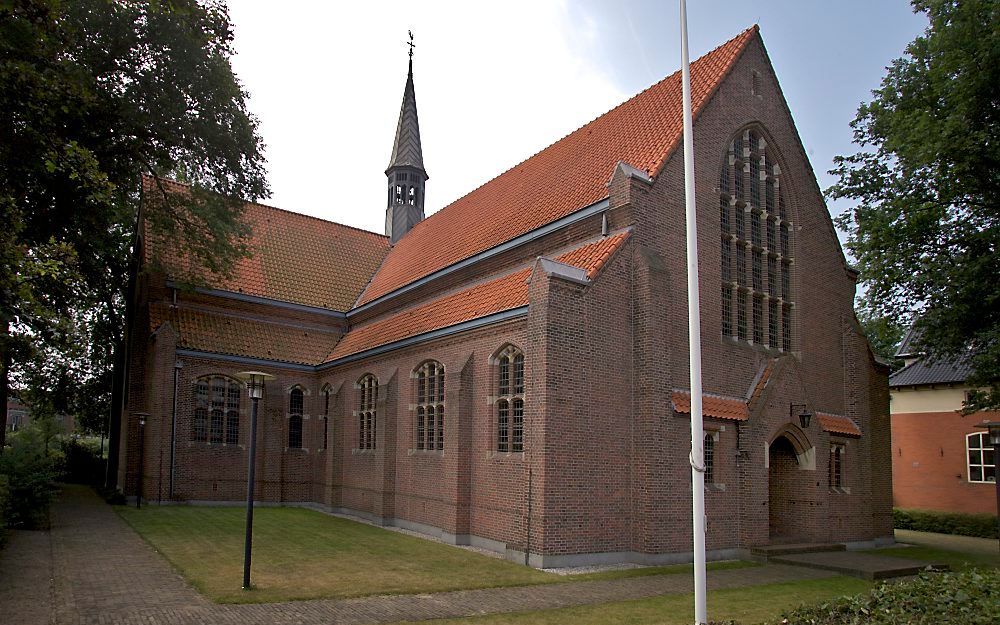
(605, 466)
(930, 470)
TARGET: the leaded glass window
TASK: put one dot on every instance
(367, 411)
(510, 401)
(430, 406)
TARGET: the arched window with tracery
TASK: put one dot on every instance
(216, 411)
(367, 400)
(750, 192)
(295, 402)
(510, 400)
(430, 406)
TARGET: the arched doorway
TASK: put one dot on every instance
(789, 500)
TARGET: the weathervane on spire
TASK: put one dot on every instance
(410, 43)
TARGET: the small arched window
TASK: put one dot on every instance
(216, 411)
(412, 196)
(367, 418)
(430, 406)
(510, 401)
(295, 401)
(327, 391)
(750, 190)
(835, 470)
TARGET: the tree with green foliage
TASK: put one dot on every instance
(884, 335)
(926, 227)
(94, 95)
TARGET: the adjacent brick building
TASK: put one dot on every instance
(511, 371)
(941, 460)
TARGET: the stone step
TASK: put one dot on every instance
(867, 566)
(768, 552)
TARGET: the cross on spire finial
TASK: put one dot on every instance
(410, 43)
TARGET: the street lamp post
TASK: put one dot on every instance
(142, 448)
(255, 387)
(993, 427)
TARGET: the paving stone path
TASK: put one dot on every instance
(92, 568)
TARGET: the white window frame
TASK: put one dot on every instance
(984, 446)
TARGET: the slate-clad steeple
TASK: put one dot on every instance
(406, 172)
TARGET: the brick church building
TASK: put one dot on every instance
(511, 372)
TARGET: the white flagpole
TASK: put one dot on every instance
(697, 456)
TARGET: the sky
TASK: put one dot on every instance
(497, 82)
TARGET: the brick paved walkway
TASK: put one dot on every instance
(93, 569)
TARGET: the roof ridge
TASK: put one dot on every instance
(696, 112)
(313, 217)
(277, 208)
(743, 33)
(655, 112)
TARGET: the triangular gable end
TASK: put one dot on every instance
(559, 180)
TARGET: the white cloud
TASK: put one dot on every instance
(494, 82)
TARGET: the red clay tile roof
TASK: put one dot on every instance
(594, 256)
(226, 334)
(487, 298)
(299, 259)
(562, 178)
(715, 406)
(758, 389)
(837, 424)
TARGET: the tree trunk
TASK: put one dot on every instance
(5, 361)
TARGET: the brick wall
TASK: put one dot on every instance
(605, 467)
(929, 466)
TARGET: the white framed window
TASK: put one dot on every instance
(981, 458)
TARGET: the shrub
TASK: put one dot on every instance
(83, 462)
(31, 469)
(969, 598)
(980, 525)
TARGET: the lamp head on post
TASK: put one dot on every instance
(993, 427)
(805, 416)
(142, 418)
(255, 382)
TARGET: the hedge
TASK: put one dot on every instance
(979, 525)
(968, 598)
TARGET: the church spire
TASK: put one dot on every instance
(406, 174)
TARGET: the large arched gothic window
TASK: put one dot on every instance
(430, 406)
(216, 411)
(510, 400)
(755, 228)
(367, 399)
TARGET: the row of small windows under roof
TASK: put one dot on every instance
(217, 408)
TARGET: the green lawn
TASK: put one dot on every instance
(958, 561)
(304, 554)
(746, 605)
